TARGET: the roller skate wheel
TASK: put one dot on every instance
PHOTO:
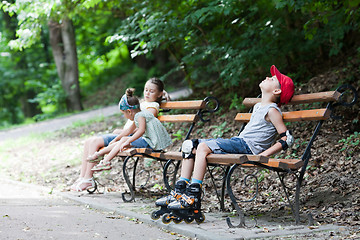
(200, 219)
(155, 216)
(166, 218)
(189, 220)
(177, 220)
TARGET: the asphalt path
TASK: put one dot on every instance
(30, 212)
(63, 122)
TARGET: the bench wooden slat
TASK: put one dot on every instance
(257, 158)
(128, 152)
(229, 159)
(226, 159)
(305, 115)
(292, 164)
(144, 150)
(196, 104)
(178, 118)
(286, 163)
(302, 98)
(173, 155)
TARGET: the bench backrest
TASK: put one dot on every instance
(191, 111)
(184, 105)
(303, 115)
(332, 98)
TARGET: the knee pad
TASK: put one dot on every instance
(187, 148)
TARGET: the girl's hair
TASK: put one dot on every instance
(160, 86)
(158, 83)
(131, 99)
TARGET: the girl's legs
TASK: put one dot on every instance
(102, 152)
(90, 147)
(105, 164)
(115, 150)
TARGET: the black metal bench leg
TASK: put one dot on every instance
(222, 203)
(127, 180)
(234, 202)
(134, 173)
(295, 206)
(165, 174)
(240, 213)
(220, 198)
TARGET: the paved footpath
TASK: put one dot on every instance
(30, 212)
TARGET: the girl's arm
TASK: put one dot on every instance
(153, 111)
(139, 132)
(126, 132)
(276, 119)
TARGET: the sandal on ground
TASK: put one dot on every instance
(102, 166)
(73, 187)
(93, 158)
(85, 184)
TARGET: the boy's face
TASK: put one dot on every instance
(270, 84)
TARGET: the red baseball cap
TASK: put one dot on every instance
(287, 85)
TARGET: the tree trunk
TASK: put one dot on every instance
(62, 40)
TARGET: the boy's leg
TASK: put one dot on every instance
(200, 162)
(187, 166)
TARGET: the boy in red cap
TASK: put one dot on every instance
(257, 138)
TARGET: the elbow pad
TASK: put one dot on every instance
(289, 140)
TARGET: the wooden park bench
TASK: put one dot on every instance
(187, 113)
(283, 167)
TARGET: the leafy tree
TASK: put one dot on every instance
(230, 44)
(19, 71)
(32, 15)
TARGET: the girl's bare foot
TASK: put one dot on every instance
(93, 158)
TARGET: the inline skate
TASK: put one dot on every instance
(180, 187)
(187, 208)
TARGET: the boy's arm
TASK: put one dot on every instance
(276, 119)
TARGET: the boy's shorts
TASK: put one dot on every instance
(108, 138)
(233, 145)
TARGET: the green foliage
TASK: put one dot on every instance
(216, 45)
(351, 143)
(227, 42)
(236, 102)
(180, 134)
(220, 130)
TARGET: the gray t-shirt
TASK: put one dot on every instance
(155, 133)
(259, 134)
